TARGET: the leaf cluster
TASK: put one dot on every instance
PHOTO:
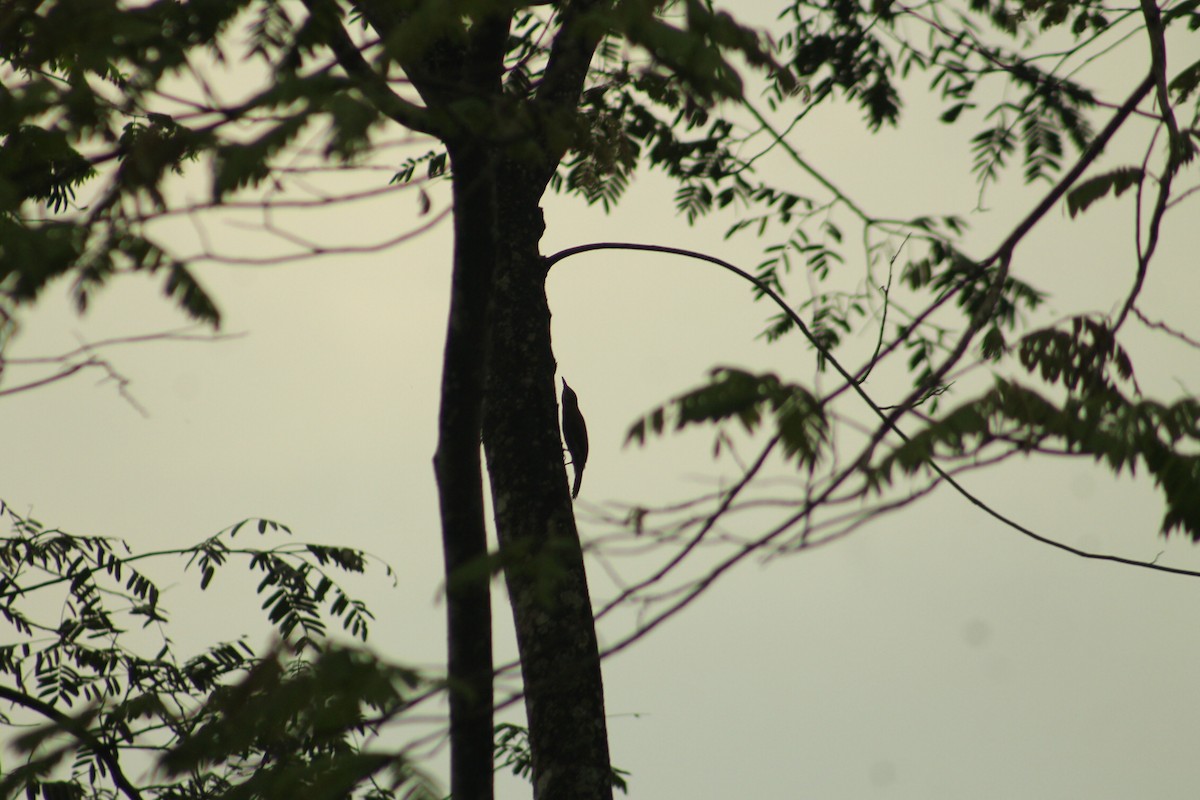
(1104, 425)
(512, 752)
(109, 683)
(81, 71)
(840, 45)
(294, 727)
(799, 418)
(1096, 419)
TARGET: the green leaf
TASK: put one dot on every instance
(240, 166)
(1185, 82)
(731, 394)
(1091, 190)
(952, 113)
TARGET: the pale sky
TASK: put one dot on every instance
(934, 654)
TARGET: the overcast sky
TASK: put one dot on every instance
(934, 654)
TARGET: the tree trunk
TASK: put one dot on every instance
(459, 478)
(503, 151)
(535, 523)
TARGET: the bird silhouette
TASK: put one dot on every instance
(574, 431)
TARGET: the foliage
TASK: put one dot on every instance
(1102, 424)
(94, 135)
(513, 753)
(112, 688)
(1115, 181)
(732, 393)
(1037, 114)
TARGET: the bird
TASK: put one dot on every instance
(574, 431)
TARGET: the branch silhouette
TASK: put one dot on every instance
(890, 420)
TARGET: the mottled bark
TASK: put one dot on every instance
(498, 354)
(540, 550)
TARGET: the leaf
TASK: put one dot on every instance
(240, 166)
(1185, 82)
(190, 295)
(736, 394)
(1091, 190)
(952, 113)
(993, 345)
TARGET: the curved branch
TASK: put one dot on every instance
(890, 424)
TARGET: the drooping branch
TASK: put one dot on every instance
(889, 424)
(85, 357)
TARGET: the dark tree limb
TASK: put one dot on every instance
(104, 752)
(459, 477)
(371, 83)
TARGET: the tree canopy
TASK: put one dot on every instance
(932, 352)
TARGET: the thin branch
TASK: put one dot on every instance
(1162, 326)
(93, 360)
(886, 289)
(726, 501)
(317, 251)
(178, 335)
(1176, 154)
(55, 378)
(104, 752)
(890, 421)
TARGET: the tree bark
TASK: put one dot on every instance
(454, 72)
(535, 523)
(459, 477)
(498, 354)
